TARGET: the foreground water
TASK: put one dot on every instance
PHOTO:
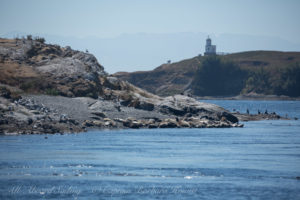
(259, 161)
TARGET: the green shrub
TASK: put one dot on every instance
(40, 39)
(29, 37)
(27, 85)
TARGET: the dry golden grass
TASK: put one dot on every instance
(253, 59)
(14, 70)
(8, 42)
(14, 74)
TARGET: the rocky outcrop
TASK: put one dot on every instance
(34, 114)
(24, 116)
(49, 89)
(36, 67)
(257, 117)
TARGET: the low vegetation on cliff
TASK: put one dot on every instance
(256, 72)
(217, 76)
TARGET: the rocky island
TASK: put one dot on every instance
(46, 88)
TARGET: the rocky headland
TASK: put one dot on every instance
(51, 89)
(270, 75)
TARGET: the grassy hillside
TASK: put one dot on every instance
(262, 72)
(167, 79)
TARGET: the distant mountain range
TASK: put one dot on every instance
(144, 51)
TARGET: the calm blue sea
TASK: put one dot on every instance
(259, 161)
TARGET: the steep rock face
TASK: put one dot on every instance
(42, 68)
(79, 64)
(49, 58)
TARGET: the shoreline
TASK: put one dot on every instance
(44, 114)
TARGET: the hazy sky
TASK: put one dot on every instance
(131, 35)
(109, 18)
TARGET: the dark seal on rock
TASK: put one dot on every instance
(228, 117)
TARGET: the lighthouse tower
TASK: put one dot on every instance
(209, 49)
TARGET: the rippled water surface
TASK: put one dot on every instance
(259, 161)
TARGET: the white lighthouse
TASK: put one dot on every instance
(209, 49)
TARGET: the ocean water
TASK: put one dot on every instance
(259, 161)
